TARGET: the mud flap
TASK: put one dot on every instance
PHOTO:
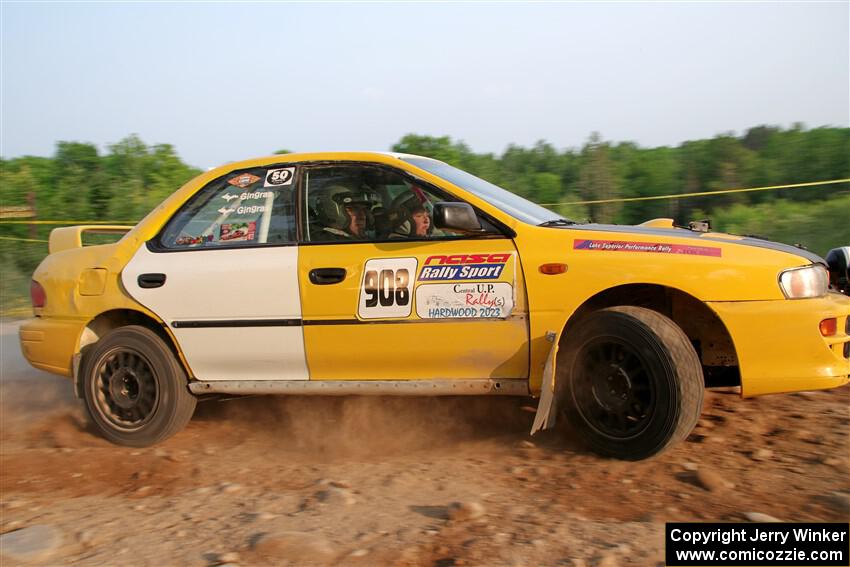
(547, 406)
(75, 374)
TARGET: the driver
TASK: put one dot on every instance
(344, 213)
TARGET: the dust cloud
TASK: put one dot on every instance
(331, 427)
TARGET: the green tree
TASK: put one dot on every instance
(440, 148)
(597, 180)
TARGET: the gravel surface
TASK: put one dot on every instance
(394, 481)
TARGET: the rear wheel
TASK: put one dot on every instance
(134, 388)
(631, 382)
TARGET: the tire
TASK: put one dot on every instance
(630, 382)
(135, 390)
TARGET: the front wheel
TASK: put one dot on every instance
(630, 382)
(135, 390)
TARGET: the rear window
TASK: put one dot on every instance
(249, 207)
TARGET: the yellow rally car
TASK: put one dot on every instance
(371, 273)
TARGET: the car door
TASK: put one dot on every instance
(400, 300)
(223, 276)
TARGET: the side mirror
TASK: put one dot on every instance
(459, 217)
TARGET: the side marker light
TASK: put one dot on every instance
(553, 269)
(828, 327)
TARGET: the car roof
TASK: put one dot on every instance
(384, 157)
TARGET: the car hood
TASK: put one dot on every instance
(699, 236)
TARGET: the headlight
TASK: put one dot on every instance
(809, 281)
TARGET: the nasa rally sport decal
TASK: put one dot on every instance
(463, 267)
(279, 177)
(386, 288)
(481, 300)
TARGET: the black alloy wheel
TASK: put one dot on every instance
(630, 382)
(612, 388)
(126, 391)
(135, 389)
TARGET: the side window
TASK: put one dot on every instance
(347, 203)
(243, 208)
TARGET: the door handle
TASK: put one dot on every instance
(327, 276)
(151, 280)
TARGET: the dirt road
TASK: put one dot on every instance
(384, 481)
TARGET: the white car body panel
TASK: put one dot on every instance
(223, 291)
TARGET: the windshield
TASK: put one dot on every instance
(507, 202)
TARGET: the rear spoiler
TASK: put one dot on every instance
(69, 237)
(659, 223)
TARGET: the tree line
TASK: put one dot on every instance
(763, 156)
(124, 183)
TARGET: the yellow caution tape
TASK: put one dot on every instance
(22, 239)
(703, 194)
(68, 222)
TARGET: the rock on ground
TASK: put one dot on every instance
(297, 548)
(336, 496)
(709, 480)
(34, 543)
(462, 511)
(759, 517)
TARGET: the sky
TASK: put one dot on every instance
(227, 81)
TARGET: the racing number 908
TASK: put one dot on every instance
(388, 288)
(385, 290)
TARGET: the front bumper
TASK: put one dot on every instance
(780, 347)
(50, 343)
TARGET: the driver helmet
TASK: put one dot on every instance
(402, 210)
(331, 205)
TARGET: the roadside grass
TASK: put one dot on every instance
(17, 260)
